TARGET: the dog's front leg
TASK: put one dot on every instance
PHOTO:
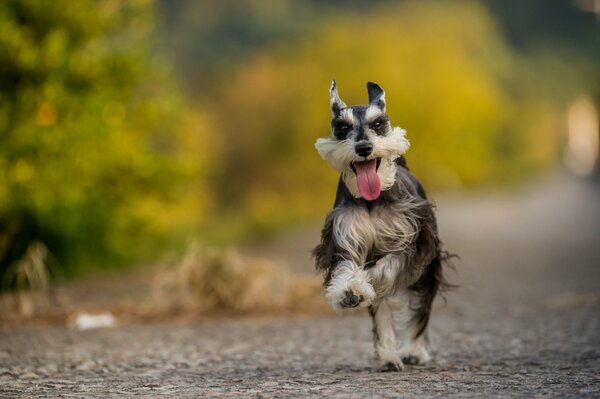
(384, 337)
(349, 286)
(384, 274)
(340, 256)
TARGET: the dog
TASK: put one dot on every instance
(379, 246)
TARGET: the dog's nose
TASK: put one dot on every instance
(364, 148)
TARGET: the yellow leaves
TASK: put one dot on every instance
(46, 114)
(113, 113)
(22, 171)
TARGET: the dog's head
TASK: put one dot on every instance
(363, 145)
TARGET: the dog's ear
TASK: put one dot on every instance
(336, 102)
(376, 95)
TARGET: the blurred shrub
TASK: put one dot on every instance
(471, 112)
(100, 158)
(215, 281)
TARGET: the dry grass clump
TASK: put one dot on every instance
(204, 282)
(209, 281)
(30, 277)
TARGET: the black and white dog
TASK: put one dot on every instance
(379, 246)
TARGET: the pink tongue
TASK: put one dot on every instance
(367, 179)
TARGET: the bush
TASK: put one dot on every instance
(100, 158)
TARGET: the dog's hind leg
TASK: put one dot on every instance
(413, 339)
(413, 309)
(385, 337)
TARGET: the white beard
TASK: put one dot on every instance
(340, 154)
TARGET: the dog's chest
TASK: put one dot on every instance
(383, 229)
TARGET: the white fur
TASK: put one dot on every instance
(382, 99)
(390, 146)
(341, 153)
(347, 115)
(338, 153)
(349, 277)
(401, 304)
(415, 348)
(385, 343)
(394, 232)
(354, 232)
(373, 112)
(383, 274)
(358, 231)
(335, 97)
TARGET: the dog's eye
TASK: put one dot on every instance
(341, 130)
(378, 124)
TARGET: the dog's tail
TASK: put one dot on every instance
(431, 282)
(447, 261)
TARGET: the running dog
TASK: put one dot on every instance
(379, 247)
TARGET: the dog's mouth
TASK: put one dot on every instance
(376, 165)
(367, 179)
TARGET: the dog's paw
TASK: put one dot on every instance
(414, 356)
(350, 289)
(351, 300)
(390, 366)
(411, 360)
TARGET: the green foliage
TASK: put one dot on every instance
(99, 156)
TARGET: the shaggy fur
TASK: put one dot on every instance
(382, 254)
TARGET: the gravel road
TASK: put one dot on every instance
(525, 322)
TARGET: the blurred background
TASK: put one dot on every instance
(142, 141)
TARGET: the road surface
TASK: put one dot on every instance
(525, 322)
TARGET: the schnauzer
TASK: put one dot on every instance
(379, 246)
